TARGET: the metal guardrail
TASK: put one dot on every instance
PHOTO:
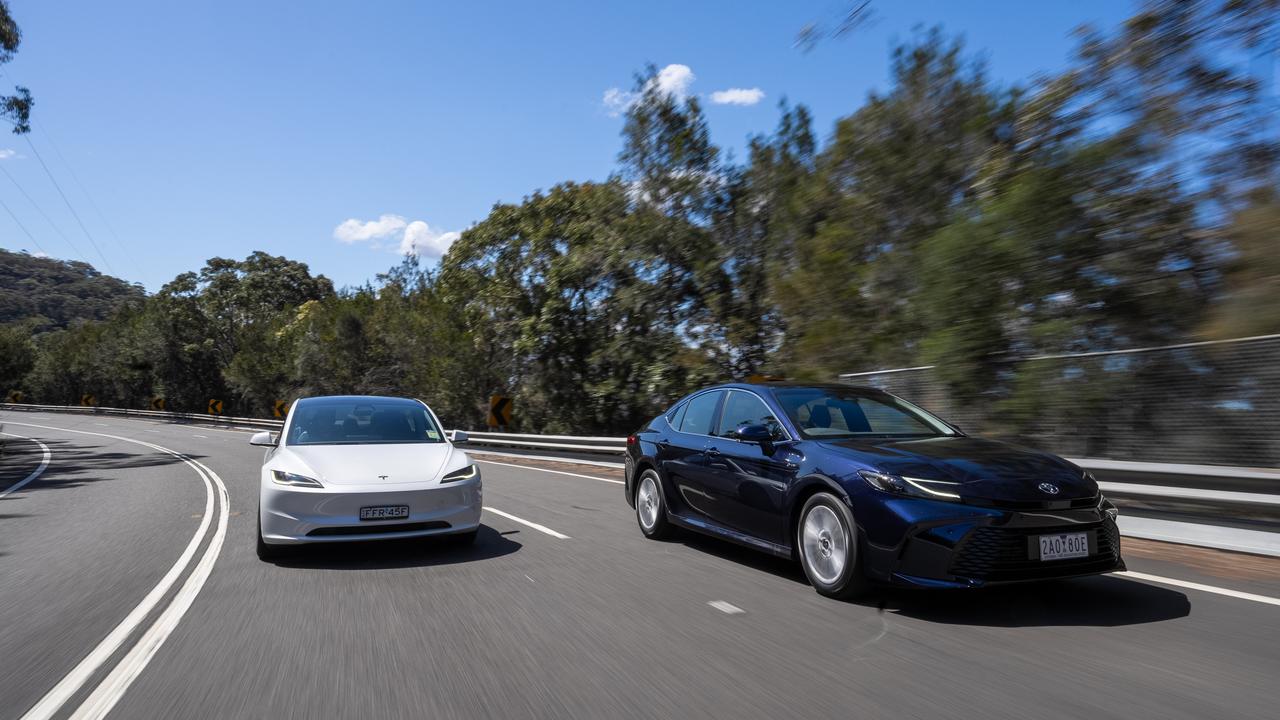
(597, 445)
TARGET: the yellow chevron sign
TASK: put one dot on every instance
(499, 411)
(88, 400)
(157, 403)
(215, 407)
(15, 396)
(280, 408)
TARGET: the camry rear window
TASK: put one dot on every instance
(362, 422)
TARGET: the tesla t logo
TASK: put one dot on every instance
(1049, 488)
(384, 477)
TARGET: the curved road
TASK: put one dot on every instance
(561, 609)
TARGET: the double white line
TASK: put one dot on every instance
(113, 686)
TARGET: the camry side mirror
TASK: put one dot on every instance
(263, 438)
(753, 434)
(458, 436)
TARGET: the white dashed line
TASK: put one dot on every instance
(522, 521)
(206, 437)
(726, 608)
(557, 472)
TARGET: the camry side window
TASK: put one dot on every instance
(744, 408)
(700, 414)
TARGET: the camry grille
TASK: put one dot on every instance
(998, 554)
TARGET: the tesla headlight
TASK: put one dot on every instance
(917, 487)
(281, 477)
(465, 473)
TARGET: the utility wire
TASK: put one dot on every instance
(24, 227)
(43, 214)
(74, 214)
(76, 179)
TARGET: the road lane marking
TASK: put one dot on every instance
(726, 608)
(522, 521)
(44, 463)
(127, 670)
(557, 472)
(206, 437)
(1197, 586)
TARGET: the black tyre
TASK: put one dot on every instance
(267, 552)
(827, 542)
(651, 512)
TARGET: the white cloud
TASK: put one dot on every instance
(412, 237)
(353, 231)
(6, 153)
(420, 239)
(737, 96)
(673, 80)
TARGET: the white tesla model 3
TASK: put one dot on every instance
(349, 468)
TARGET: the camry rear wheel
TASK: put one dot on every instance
(827, 543)
(650, 512)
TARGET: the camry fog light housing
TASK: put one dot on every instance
(281, 477)
(917, 487)
(465, 473)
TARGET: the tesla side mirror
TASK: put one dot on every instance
(753, 434)
(458, 436)
(263, 438)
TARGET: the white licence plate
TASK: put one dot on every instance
(1067, 545)
(384, 512)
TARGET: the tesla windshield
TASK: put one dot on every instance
(826, 413)
(341, 422)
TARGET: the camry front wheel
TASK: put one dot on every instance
(828, 547)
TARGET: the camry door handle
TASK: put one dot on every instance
(712, 451)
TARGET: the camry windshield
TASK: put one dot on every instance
(352, 422)
(822, 413)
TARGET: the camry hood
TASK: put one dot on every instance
(986, 469)
(366, 464)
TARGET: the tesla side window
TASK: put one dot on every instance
(832, 413)
(744, 408)
(700, 414)
(338, 423)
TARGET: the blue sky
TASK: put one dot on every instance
(180, 131)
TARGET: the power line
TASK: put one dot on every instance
(76, 179)
(24, 227)
(74, 214)
(43, 214)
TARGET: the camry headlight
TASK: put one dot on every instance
(281, 477)
(465, 473)
(1108, 507)
(917, 487)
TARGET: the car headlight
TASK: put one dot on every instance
(465, 473)
(281, 477)
(1108, 507)
(916, 487)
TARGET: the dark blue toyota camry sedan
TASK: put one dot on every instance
(863, 487)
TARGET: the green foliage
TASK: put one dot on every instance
(48, 293)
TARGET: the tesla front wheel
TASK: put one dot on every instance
(828, 547)
(265, 551)
(650, 512)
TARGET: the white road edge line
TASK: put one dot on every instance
(131, 666)
(522, 521)
(557, 472)
(44, 463)
(726, 607)
(1197, 586)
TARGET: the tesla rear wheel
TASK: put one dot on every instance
(826, 539)
(650, 512)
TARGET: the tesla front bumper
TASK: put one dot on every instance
(293, 515)
(941, 544)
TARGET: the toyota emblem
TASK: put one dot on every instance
(1049, 488)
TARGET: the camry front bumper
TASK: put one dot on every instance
(937, 544)
(292, 515)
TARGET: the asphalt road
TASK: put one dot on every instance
(598, 624)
